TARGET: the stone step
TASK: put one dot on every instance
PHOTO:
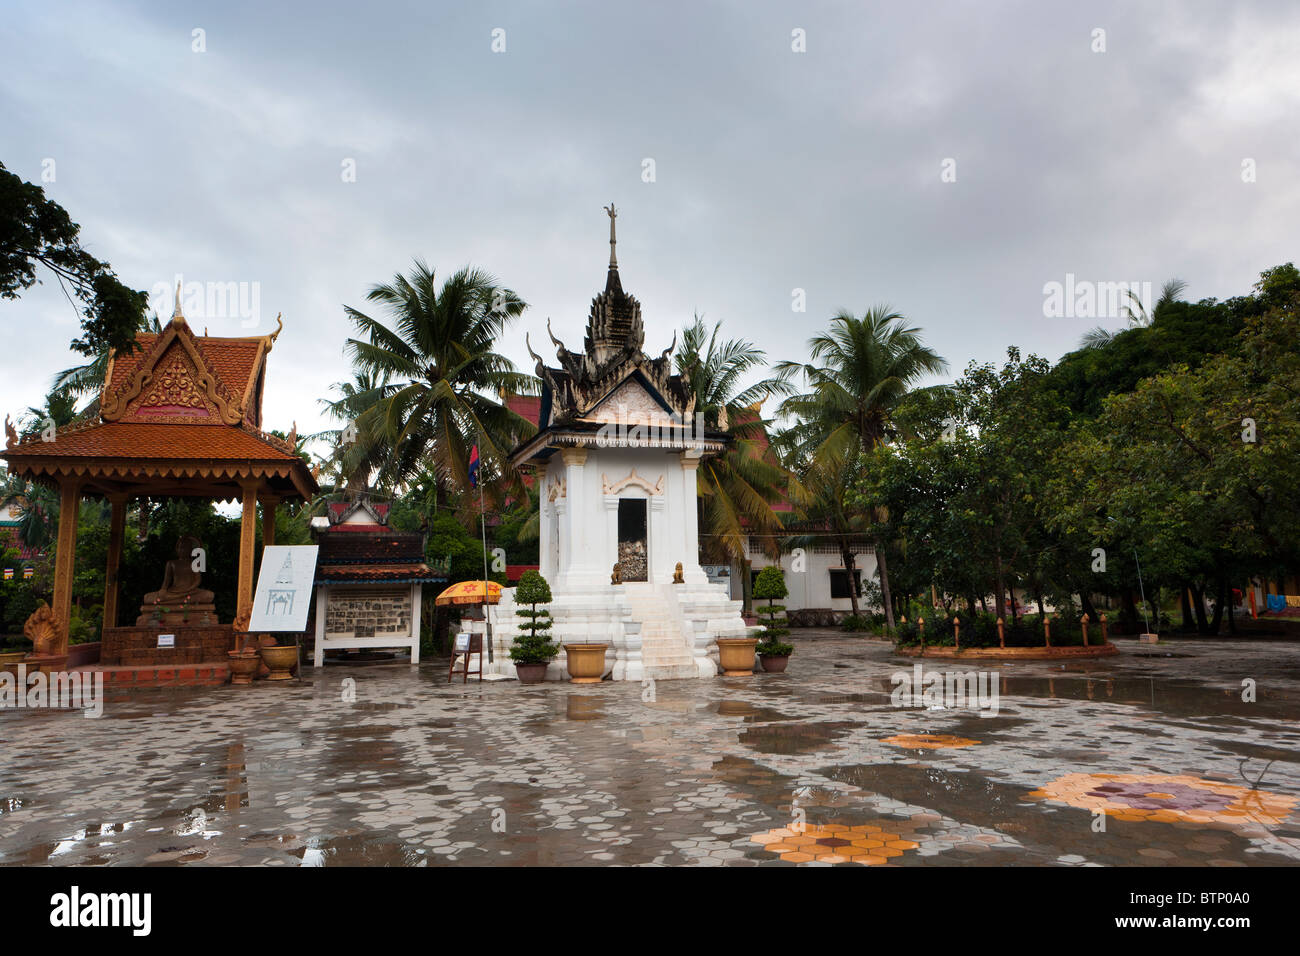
(672, 672)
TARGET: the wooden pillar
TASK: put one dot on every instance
(116, 530)
(247, 543)
(269, 504)
(65, 557)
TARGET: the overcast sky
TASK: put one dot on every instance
(774, 170)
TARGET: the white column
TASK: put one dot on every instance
(322, 602)
(580, 558)
(416, 596)
(690, 519)
(657, 530)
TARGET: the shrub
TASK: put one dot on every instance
(533, 645)
(769, 586)
(856, 622)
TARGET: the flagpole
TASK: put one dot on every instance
(482, 517)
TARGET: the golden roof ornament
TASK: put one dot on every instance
(177, 315)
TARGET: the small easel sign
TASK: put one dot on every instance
(466, 645)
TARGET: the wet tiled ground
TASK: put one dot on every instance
(386, 765)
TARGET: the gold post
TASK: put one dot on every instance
(1047, 630)
(1104, 638)
(65, 557)
(247, 543)
(956, 633)
(1084, 621)
(116, 531)
(269, 504)
(1002, 637)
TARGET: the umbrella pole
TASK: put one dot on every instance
(487, 621)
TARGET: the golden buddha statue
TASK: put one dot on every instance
(180, 598)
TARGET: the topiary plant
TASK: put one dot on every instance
(533, 645)
(769, 586)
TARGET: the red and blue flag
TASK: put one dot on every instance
(473, 467)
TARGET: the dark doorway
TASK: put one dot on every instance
(632, 554)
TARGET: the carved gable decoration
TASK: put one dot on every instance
(632, 404)
(633, 480)
(173, 382)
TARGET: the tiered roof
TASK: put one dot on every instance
(181, 415)
(358, 547)
(612, 380)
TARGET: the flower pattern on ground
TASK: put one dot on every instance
(930, 741)
(1167, 798)
(835, 843)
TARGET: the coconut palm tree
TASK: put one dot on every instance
(436, 376)
(738, 488)
(859, 370)
(1136, 314)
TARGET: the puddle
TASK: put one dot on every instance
(789, 739)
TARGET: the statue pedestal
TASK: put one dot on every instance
(192, 615)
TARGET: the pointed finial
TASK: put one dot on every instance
(177, 314)
(613, 214)
(279, 327)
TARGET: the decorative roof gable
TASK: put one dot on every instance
(177, 377)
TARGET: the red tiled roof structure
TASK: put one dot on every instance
(369, 551)
(181, 414)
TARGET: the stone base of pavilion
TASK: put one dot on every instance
(653, 631)
(192, 644)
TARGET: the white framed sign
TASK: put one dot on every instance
(462, 642)
(284, 585)
(166, 640)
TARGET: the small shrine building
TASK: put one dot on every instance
(180, 417)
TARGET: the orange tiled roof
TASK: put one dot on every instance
(234, 360)
(138, 440)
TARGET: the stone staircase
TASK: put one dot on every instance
(665, 654)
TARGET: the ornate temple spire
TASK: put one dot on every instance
(612, 283)
(177, 315)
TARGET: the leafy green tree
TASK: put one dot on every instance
(738, 488)
(36, 231)
(533, 645)
(436, 376)
(858, 372)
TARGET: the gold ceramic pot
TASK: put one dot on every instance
(586, 662)
(736, 655)
(243, 666)
(280, 660)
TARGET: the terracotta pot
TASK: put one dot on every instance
(280, 660)
(531, 673)
(736, 655)
(774, 663)
(586, 662)
(243, 665)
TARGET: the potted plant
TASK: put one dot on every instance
(773, 653)
(533, 649)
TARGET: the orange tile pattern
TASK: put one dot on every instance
(139, 440)
(930, 741)
(1167, 798)
(836, 843)
(233, 360)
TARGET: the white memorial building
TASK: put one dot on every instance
(615, 458)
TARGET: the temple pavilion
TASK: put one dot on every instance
(181, 416)
(615, 458)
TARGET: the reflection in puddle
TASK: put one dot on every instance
(793, 738)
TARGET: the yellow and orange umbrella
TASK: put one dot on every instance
(469, 592)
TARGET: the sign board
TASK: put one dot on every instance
(284, 584)
(462, 642)
(166, 640)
